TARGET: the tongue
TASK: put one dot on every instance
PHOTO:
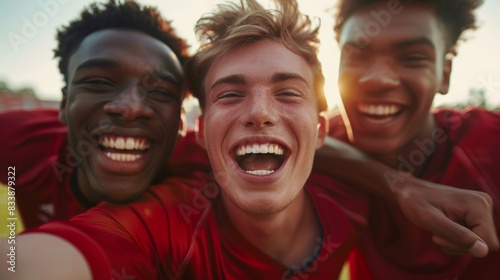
(260, 162)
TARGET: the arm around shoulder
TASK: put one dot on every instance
(461, 220)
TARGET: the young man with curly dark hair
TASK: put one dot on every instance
(395, 56)
(119, 117)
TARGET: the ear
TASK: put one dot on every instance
(323, 128)
(200, 132)
(62, 106)
(182, 124)
(445, 83)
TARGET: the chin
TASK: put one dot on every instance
(263, 208)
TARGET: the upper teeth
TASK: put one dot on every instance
(122, 143)
(379, 109)
(259, 149)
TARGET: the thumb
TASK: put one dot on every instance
(478, 249)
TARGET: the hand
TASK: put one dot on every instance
(461, 220)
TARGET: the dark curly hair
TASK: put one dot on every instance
(116, 14)
(456, 15)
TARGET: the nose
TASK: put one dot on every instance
(260, 111)
(129, 105)
(379, 76)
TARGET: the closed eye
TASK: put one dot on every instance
(97, 82)
(97, 85)
(289, 94)
(230, 94)
(163, 95)
(415, 60)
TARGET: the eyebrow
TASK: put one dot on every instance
(98, 62)
(109, 63)
(286, 76)
(238, 79)
(399, 44)
(416, 41)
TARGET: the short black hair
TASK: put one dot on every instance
(116, 14)
(456, 15)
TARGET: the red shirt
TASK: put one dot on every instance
(176, 230)
(36, 144)
(467, 158)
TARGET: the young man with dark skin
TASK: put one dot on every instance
(121, 109)
(387, 83)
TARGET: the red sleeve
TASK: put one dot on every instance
(30, 140)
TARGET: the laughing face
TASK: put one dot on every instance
(388, 76)
(261, 126)
(122, 109)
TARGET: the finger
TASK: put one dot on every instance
(479, 249)
(482, 223)
(488, 234)
(458, 237)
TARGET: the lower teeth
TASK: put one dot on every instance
(259, 172)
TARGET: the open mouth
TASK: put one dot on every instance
(123, 149)
(260, 159)
(379, 111)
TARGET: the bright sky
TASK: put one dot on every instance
(28, 28)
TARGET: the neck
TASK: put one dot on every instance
(289, 236)
(84, 186)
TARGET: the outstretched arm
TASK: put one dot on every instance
(42, 256)
(461, 220)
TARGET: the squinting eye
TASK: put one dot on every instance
(229, 95)
(288, 93)
(414, 58)
(97, 82)
(163, 95)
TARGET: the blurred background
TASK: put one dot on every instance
(29, 76)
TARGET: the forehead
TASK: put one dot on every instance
(259, 61)
(126, 47)
(385, 23)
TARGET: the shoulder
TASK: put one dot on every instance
(474, 135)
(474, 119)
(163, 205)
(26, 117)
(23, 125)
(470, 127)
(31, 140)
(343, 204)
